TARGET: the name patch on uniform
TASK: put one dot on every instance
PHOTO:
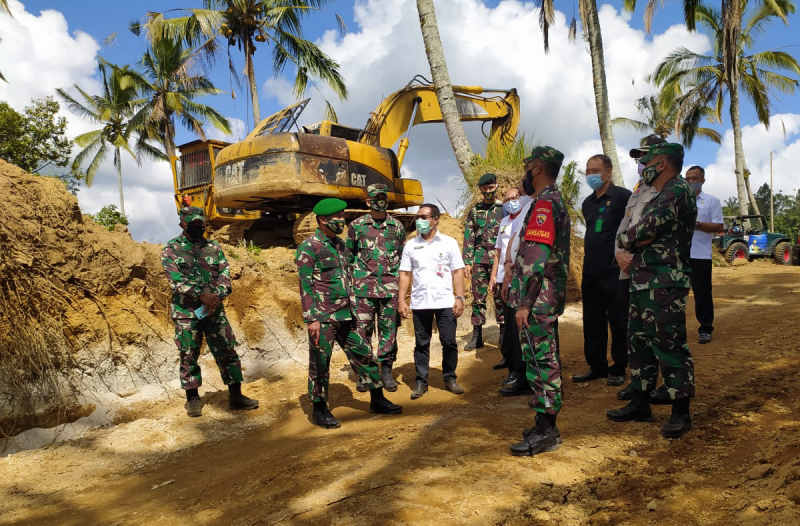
(541, 227)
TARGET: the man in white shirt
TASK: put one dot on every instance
(433, 267)
(709, 222)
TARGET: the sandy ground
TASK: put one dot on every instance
(446, 460)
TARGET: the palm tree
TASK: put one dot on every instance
(660, 119)
(697, 83)
(113, 110)
(444, 89)
(243, 23)
(168, 88)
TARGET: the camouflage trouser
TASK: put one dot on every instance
(481, 275)
(543, 361)
(221, 342)
(357, 351)
(385, 311)
(657, 329)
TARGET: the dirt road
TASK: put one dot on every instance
(446, 460)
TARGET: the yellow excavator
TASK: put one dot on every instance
(268, 183)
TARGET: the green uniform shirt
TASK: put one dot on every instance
(375, 248)
(326, 290)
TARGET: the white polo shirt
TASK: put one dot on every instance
(517, 224)
(709, 210)
(432, 264)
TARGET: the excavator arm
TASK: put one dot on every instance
(417, 104)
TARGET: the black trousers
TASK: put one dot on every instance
(703, 301)
(512, 350)
(605, 303)
(423, 328)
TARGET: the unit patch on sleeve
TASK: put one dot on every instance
(541, 227)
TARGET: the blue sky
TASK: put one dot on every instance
(494, 43)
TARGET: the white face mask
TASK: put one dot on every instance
(640, 168)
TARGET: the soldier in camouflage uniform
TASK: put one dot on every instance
(660, 243)
(200, 279)
(480, 235)
(375, 242)
(326, 294)
(538, 293)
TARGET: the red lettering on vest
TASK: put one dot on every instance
(541, 227)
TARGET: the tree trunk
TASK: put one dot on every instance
(441, 82)
(595, 38)
(118, 163)
(738, 149)
(750, 197)
(249, 51)
(169, 141)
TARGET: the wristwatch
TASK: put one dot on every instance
(460, 298)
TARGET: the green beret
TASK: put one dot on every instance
(191, 213)
(670, 149)
(374, 190)
(547, 154)
(329, 206)
(487, 178)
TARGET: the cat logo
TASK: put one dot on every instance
(357, 179)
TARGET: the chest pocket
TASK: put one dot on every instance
(187, 265)
(328, 267)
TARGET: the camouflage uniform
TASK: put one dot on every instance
(480, 235)
(375, 247)
(540, 283)
(326, 294)
(659, 287)
(194, 268)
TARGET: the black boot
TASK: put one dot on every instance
(323, 417)
(386, 377)
(660, 396)
(237, 400)
(516, 385)
(542, 438)
(679, 422)
(476, 342)
(379, 404)
(194, 406)
(626, 393)
(638, 409)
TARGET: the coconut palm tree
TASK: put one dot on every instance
(112, 110)
(660, 119)
(244, 24)
(441, 82)
(168, 87)
(696, 83)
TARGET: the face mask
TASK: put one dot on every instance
(640, 168)
(195, 231)
(379, 205)
(594, 181)
(423, 226)
(527, 183)
(512, 207)
(489, 195)
(336, 225)
(696, 187)
(650, 174)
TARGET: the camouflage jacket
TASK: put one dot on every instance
(540, 268)
(661, 240)
(326, 289)
(375, 248)
(193, 269)
(480, 233)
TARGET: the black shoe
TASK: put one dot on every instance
(587, 377)
(238, 401)
(627, 393)
(704, 337)
(323, 417)
(476, 341)
(637, 410)
(451, 385)
(503, 364)
(544, 437)
(516, 386)
(660, 396)
(680, 422)
(526, 432)
(194, 407)
(615, 380)
(420, 389)
(380, 405)
(361, 387)
(386, 377)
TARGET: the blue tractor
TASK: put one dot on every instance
(747, 237)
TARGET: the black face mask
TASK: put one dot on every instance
(527, 183)
(195, 231)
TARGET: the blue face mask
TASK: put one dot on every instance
(594, 181)
(423, 226)
(512, 207)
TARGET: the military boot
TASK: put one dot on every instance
(238, 401)
(194, 406)
(476, 341)
(379, 404)
(540, 439)
(386, 377)
(323, 417)
(638, 409)
(679, 422)
(627, 393)
(660, 396)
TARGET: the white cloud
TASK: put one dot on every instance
(238, 131)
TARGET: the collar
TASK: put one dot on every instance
(428, 241)
(184, 239)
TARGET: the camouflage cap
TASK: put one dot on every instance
(329, 206)
(547, 154)
(191, 213)
(374, 190)
(670, 149)
(487, 178)
(645, 144)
